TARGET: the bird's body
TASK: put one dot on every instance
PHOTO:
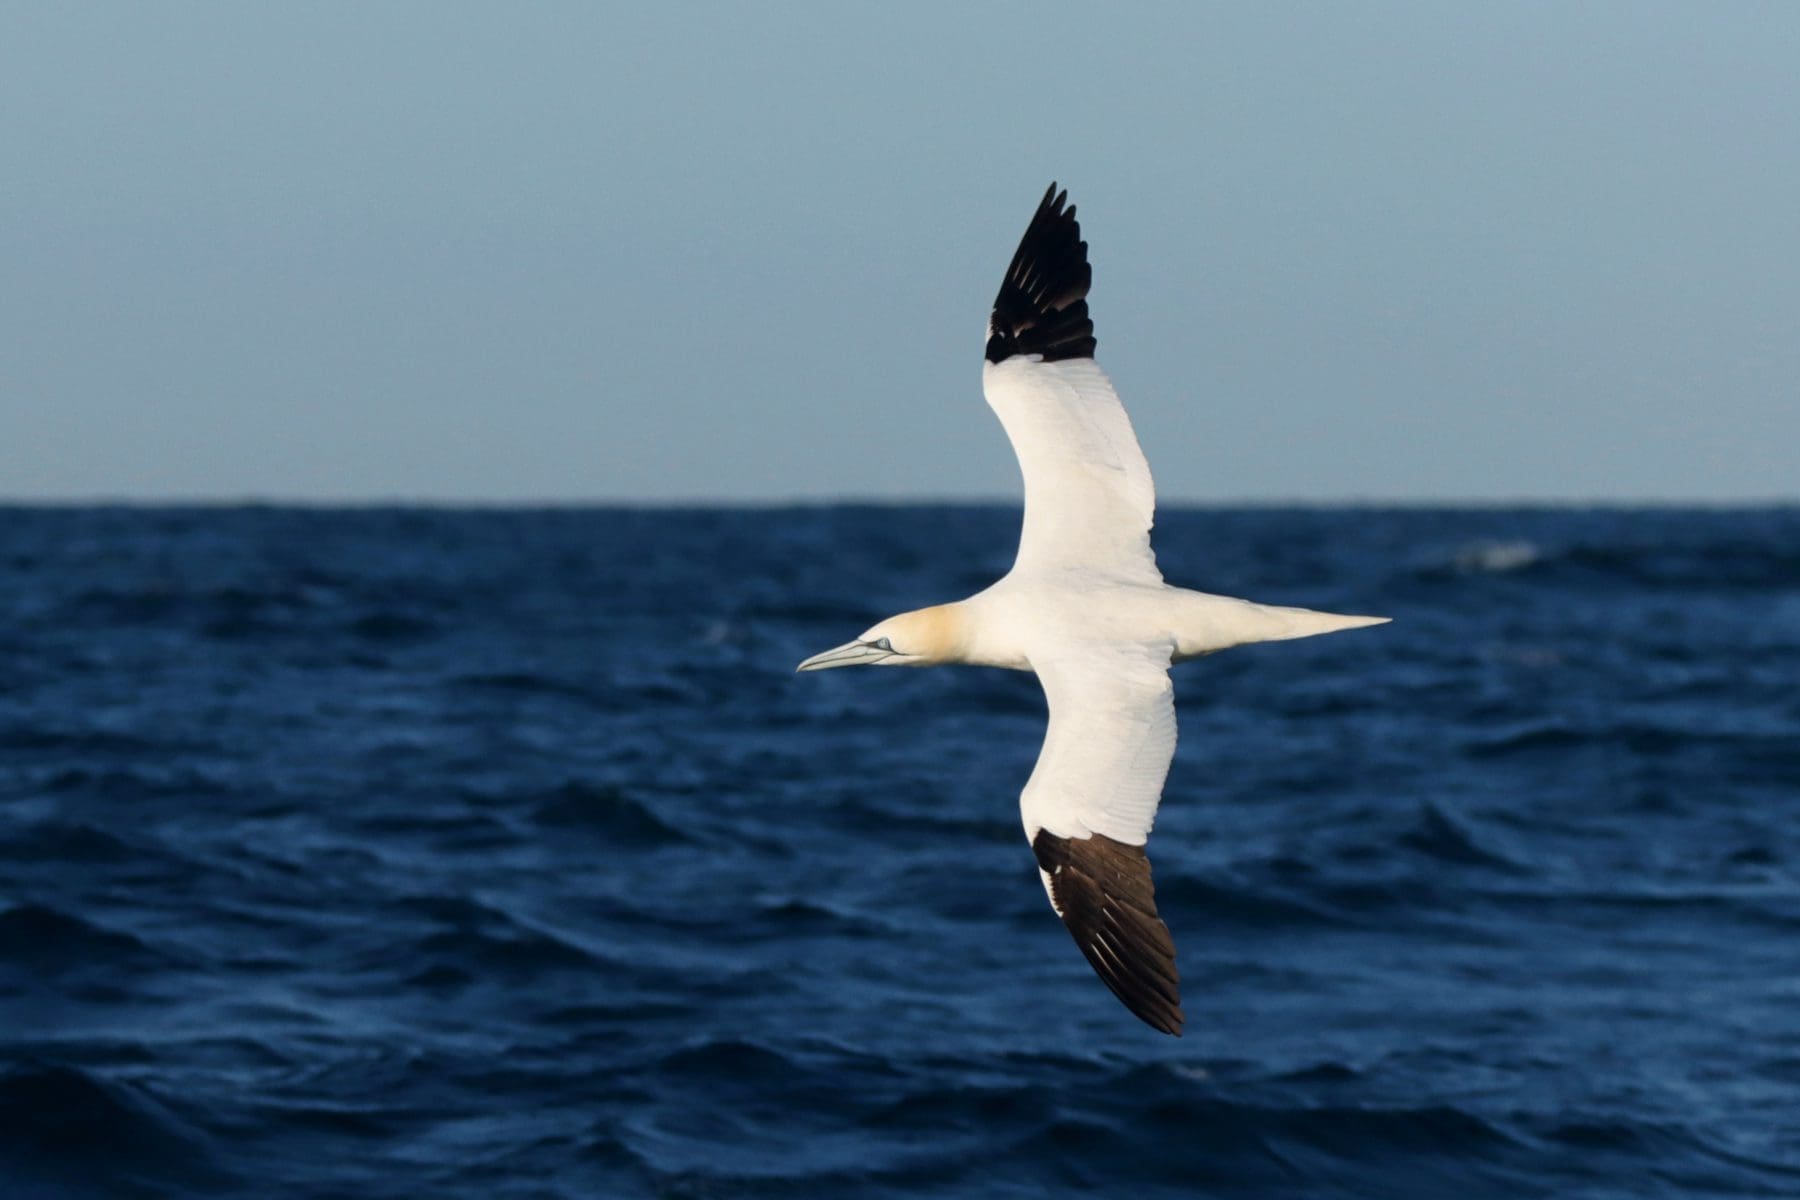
(1032, 616)
(1027, 617)
(1087, 610)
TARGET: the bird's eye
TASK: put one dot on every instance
(883, 644)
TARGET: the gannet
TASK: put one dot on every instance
(1085, 608)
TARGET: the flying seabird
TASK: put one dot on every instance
(1085, 608)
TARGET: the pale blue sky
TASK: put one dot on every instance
(434, 251)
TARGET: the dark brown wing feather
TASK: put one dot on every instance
(1042, 306)
(1102, 890)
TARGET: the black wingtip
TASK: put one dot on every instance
(1042, 305)
(1102, 890)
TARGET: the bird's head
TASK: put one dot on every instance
(913, 639)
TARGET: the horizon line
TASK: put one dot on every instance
(521, 503)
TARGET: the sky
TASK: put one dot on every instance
(585, 252)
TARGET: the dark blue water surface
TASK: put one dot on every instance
(394, 853)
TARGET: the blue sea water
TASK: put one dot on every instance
(398, 853)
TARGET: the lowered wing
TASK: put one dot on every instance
(1088, 809)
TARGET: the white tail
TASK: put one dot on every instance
(1211, 623)
(1285, 623)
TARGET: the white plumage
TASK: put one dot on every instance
(1089, 501)
(1110, 740)
(1086, 608)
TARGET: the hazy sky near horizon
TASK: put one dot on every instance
(570, 251)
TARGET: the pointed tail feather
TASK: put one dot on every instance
(1286, 623)
(1206, 624)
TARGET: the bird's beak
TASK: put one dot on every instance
(850, 654)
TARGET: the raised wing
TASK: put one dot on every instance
(1089, 499)
(1088, 809)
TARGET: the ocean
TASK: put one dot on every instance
(501, 853)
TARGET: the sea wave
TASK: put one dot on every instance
(486, 854)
